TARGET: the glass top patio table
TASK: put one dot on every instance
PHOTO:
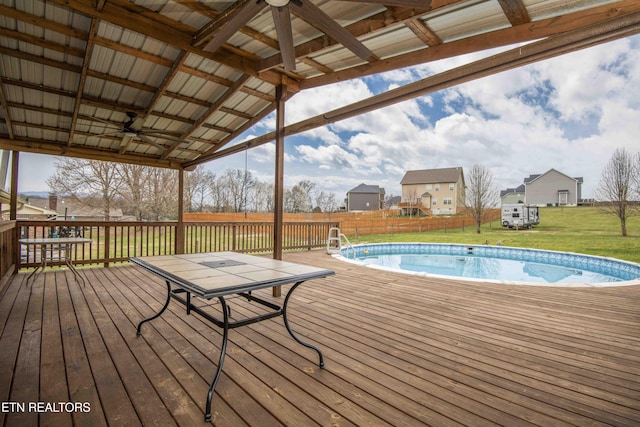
(219, 274)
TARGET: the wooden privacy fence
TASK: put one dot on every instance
(354, 224)
(118, 241)
(391, 225)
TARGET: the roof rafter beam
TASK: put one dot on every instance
(40, 60)
(43, 22)
(516, 11)
(218, 105)
(5, 110)
(423, 32)
(83, 78)
(212, 152)
(55, 148)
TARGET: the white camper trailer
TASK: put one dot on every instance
(520, 216)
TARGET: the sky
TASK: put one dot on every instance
(568, 113)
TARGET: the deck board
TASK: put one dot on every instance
(399, 350)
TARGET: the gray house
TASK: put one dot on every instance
(365, 198)
(552, 188)
(512, 195)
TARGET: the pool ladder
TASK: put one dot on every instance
(334, 242)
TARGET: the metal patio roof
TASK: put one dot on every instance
(173, 83)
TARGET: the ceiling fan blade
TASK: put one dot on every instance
(161, 135)
(282, 20)
(99, 135)
(235, 20)
(415, 4)
(159, 132)
(151, 142)
(104, 123)
(317, 18)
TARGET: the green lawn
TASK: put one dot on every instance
(573, 229)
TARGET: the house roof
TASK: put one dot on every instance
(518, 189)
(173, 83)
(24, 208)
(369, 189)
(431, 176)
(533, 178)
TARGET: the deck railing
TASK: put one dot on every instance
(114, 242)
(7, 250)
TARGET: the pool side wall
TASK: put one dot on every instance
(627, 271)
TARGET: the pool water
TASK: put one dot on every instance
(494, 263)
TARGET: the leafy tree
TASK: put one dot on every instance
(481, 194)
(618, 185)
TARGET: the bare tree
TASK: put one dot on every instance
(617, 186)
(84, 179)
(481, 194)
(262, 199)
(133, 178)
(326, 202)
(297, 199)
(232, 189)
(198, 185)
(161, 194)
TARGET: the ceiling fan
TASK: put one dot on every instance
(132, 129)
(216, 33)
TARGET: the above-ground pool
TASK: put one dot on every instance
(495, 263)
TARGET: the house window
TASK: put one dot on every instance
(434, 201)
(452, 186)
(428, 186)
(437, 187)
(447, 201)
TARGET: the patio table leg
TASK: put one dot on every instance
(67, 260)
(223, 351)
(158, 314)
(286, 324)
(42, 266)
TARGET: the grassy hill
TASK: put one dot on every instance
(584, 230)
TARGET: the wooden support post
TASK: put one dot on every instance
(279, 180)
(179, 243)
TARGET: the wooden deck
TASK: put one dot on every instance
(399, 350)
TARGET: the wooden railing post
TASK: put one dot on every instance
(107, 245)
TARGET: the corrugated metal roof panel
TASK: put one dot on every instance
(468, 21)
(541, 9)
(393, 41)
